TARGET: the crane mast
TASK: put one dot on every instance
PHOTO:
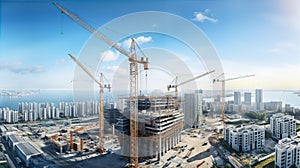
(223, 90)
(133, 84)
(101, 102)
(182, 83)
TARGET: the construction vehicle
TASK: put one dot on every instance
(101, 84)
(133, 84)
(182, 83)
(223, 89)
(71, 136)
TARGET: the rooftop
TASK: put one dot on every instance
(14, 138)
(27, 149)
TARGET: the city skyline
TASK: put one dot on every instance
(250, 38)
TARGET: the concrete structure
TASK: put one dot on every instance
(287, 153)
(247, 98)
(25, 151)
(193, 109)
(160, 126)
(282, 126)
(259, 99)
(237, 98)
(245, 138)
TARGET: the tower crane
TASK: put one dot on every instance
(133, 84)
(223, 88)
(101, 102)
(182, 83)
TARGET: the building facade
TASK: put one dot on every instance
(287, 153)
(193, 109)
(245, 138)
(237, 98)
(159, 127)
(282, 126)
(259, 99)
(247, 98)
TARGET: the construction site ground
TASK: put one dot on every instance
(190, 139)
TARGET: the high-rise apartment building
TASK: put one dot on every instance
(193, 109)
(237, 98)
(259, 99)
(247, 98)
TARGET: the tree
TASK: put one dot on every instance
(227, 165)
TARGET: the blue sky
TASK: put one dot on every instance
(251, 37)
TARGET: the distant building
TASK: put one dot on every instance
(275, 106)
(259, 99)
(282, 126)
(287, 153)
(288, 108)
(245, 138)
(193, 109)
(237, 98)
(247, 98)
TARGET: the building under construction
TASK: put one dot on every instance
(159, 126)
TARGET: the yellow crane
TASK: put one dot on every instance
(101, 102)
(71, 137)
(133, 83)
(223, 88)
(182, 83)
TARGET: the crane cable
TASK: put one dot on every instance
(62, 23)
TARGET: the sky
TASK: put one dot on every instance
(249, 36)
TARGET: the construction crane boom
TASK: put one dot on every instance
(223, 89)
(199, 76)
(239, 77)
(99, 35)
(101, 104)
(85, 70)
(182, 83)
(133, 84)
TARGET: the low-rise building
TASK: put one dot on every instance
(13, 140)
(245, 138)
(287, 152)
(282, 126)
(25, 151)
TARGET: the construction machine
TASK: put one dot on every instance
(133, 74)
(223, 88)
(182, 83)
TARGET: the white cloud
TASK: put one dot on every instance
(140, 40)
(280, 47)
(109, 55)
(274, 50)
(18, 68)
(207, 10)
(111, 68)
(200, 17)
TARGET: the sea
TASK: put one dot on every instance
(56, 96)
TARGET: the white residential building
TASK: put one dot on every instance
(282, 126)
(245, 138)
(193, 109)
(287, 153)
